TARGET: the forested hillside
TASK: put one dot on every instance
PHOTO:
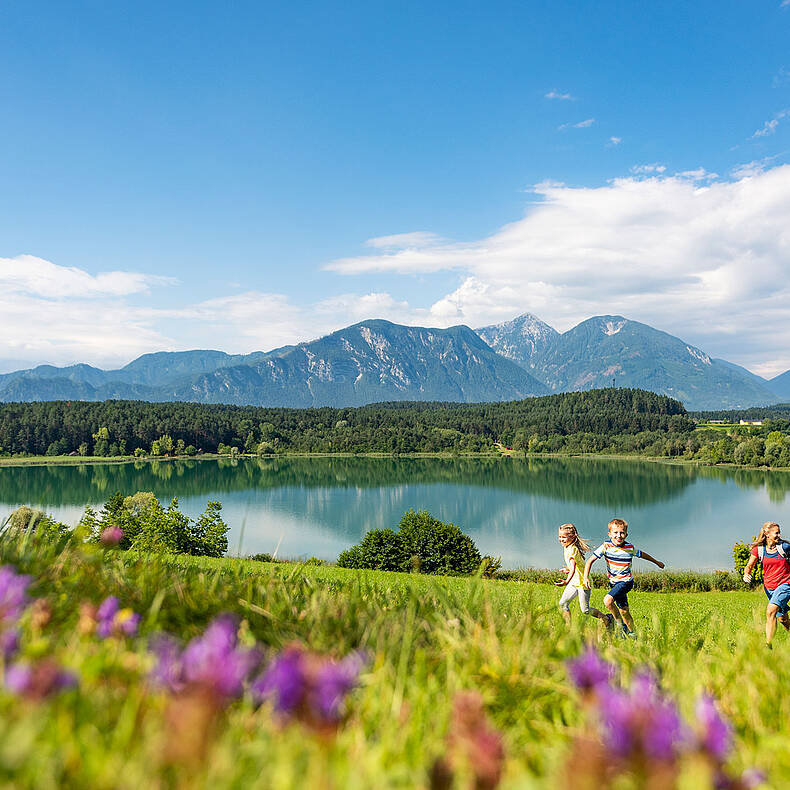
(116, 428)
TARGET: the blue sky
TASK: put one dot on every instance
(179, 175)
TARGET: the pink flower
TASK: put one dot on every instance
(111, 536)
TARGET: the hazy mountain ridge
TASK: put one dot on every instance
(612, 350)
(368, 362)
(519, 339)
(377, 360)
(781, 385)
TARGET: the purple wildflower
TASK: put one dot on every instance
(105, 616)
(111, 536)
(308, 686)
(641, 721)
(748, 780)
(9, 643)
(284, 680)
(212, 661)
(13, 593)
(716, 733)
(589, 671)
(169, 669)
(752, 777)
(19, 678)
(112, 620)
(128, 622)
(334, 680)
(38, 680)
(215, 660)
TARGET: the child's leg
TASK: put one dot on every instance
(565, 602)
(609, 603)
(770, 622)
(785, 621)
(584, 605)
(626, 614)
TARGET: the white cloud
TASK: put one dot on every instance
(100, 332)
(580, 125)
(26, 274)
(782, 77)
(615, 140)
(695, 255)
(700, 174)
(644, 170)
(64, 314)
(555, 94)
(769, 127)
(401, 241)
(702, 258)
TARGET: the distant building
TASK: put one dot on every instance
(717, 422)
(751, 422)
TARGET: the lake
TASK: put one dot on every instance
(687, 516)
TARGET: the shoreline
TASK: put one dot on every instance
(61, 460)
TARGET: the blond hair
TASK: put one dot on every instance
(577, 541)
(618, 522)
(762, 538)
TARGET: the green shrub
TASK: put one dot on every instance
(262, 557)
(379, 550)
(148, 526)
(490, 566)
(422, 544)
(741, 552)
(441, 547)
(350, 558)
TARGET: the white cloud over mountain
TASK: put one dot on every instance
(704, 258)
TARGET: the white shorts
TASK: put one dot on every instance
(571, 591)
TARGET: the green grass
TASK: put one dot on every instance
(428, 638)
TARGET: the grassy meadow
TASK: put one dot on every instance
(425, 640)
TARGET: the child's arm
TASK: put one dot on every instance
(586, 579)
(568, 576)
(645, 556)
(747, 571)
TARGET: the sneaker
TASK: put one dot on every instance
(624, 629)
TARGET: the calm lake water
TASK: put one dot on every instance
(687, 516)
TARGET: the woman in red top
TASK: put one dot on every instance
(774, 554)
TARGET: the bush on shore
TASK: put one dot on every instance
(422, 543)
(148, 526)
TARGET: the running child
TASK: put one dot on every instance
(773, 553)
(574, 549)
(618, 555)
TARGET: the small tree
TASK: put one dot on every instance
(148, 526)
(422, 543)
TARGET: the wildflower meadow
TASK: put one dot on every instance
(127, 669)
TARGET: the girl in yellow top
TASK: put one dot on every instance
(574, 548)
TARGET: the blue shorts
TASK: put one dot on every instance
(780, 597)
(619, 591)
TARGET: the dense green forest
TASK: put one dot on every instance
(779, 411)
(616, 421)
(123, 427)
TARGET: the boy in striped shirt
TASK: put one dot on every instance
(619, 555)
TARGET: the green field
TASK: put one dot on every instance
(426, 638)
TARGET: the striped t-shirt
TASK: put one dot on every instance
(618, 560)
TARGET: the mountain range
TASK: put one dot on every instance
(377, 360)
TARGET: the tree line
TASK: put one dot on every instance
(113, 428)
(616, 421)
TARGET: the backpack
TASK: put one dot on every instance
(761, 551)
